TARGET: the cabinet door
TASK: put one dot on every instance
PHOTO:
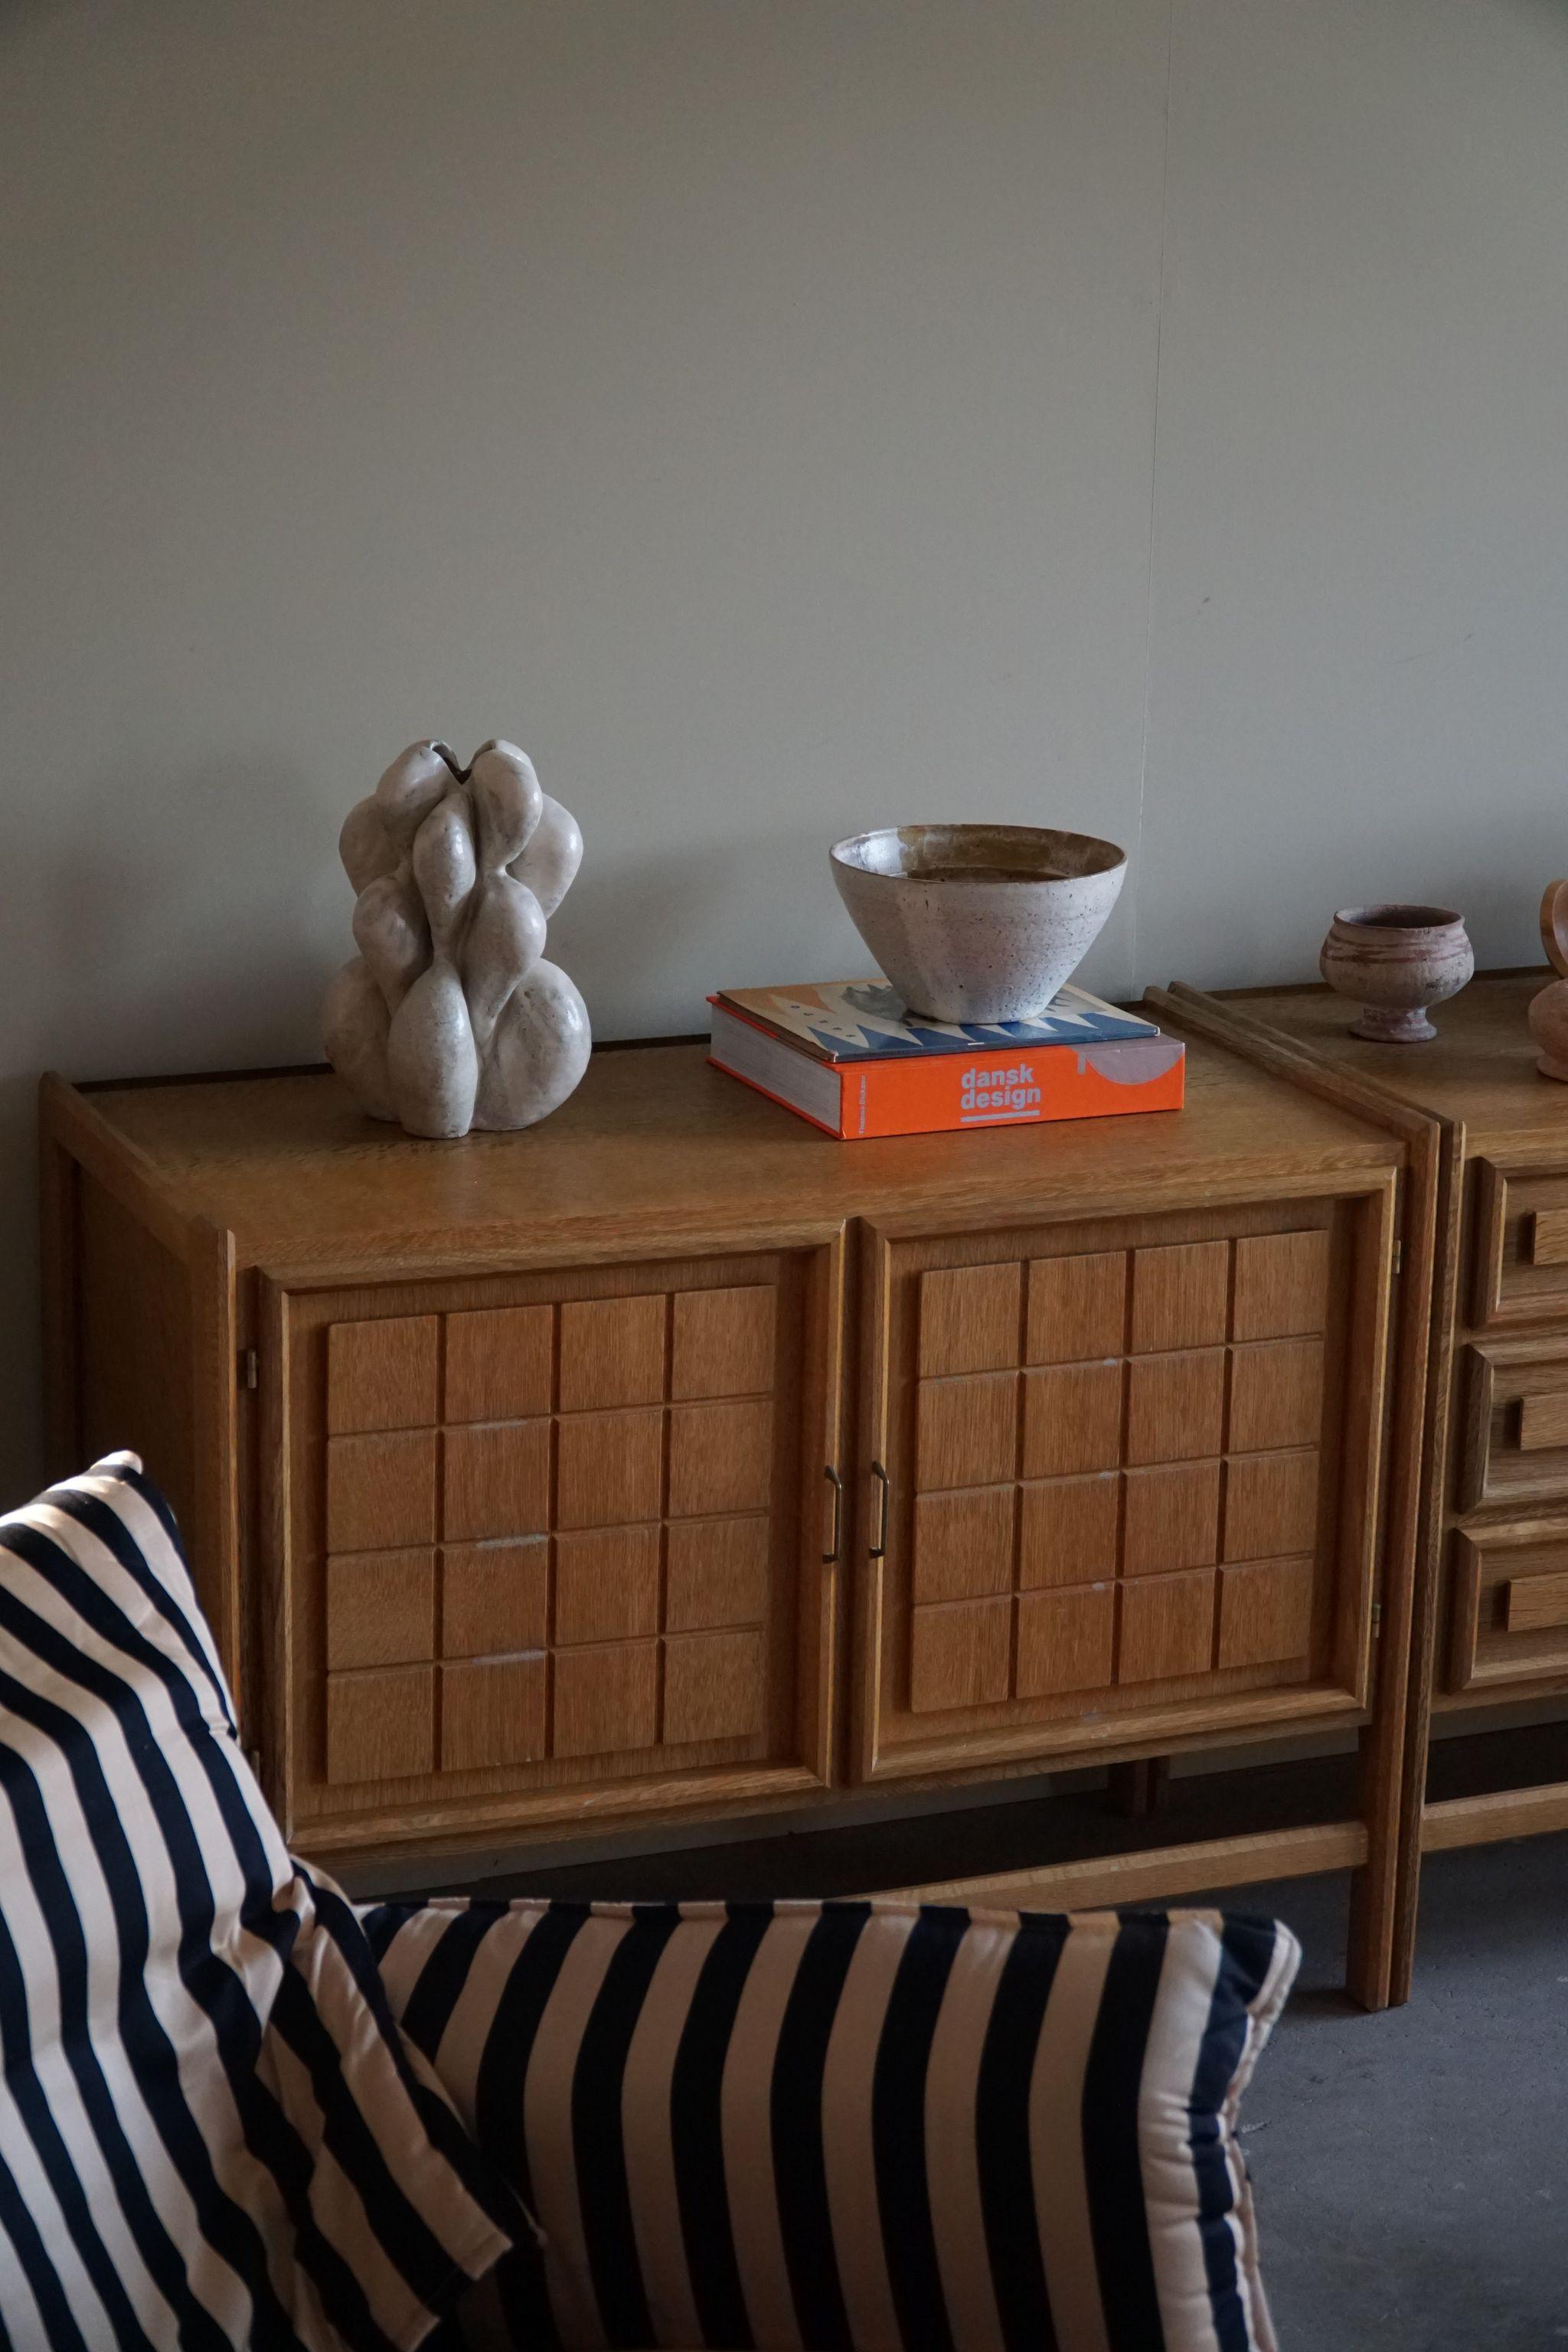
(552, 1545)
(1118, 1480)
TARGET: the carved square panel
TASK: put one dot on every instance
(713, 1687)
(492, 1712)
(1073, 1420)
(1078, 1308)
(968, 1319)
(1172, 1518)
(494, 1597)
(381, 1491)
(724, 1342)
(499, 1363)
(964, 1543)
(608, 1469)
(1281, 1286)
(381, 1727)
(607, 1584)
(606, 1701)
(959, 1655)
(721, 1457)
(1068, 1530)
(716, 1573)
(1276, 1394)
(1167, 1628)
(1180, 1296)
(1271, 1505)
(1175, 1406)
(1065, 1641)
(1264, 1613)
(967, 1431)
(383, 1374)
(381, 1608)
(612, 1354)
(496, 1480)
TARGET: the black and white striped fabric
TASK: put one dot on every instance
(854, 2128)
(211, 2131)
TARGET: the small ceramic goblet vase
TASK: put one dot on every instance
(1548, 1014)
(1395, 963)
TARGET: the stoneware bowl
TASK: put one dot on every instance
(978, 922)
(1395, 963)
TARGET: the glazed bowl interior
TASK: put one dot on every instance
(1398, 919)
(977, 853)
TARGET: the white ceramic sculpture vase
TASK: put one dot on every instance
(450, 1018)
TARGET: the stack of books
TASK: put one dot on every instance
(847, 1056)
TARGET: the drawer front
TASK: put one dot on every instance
(552, 1542)
(1513, 1436)
(1123, 1473)
(1518, 1246)
(1508, 1619)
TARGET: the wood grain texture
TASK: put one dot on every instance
(1078, 1308)
(499, 1363)
(1276, 1395)
(381, 1608)
(1179, 1296)
(1171, 1519)
(381, 1727)
(492, 1713)
(968, 1431)
(1065, 1641)
(612, 1354)
(723, 1343)
(607, 1699)
(1281, 1286)
(963, 1544)
(1167, 1627)
(1175, 1406)
(1271, 1504)
(496, 1479)
(1264, 1613)
(607, 1584)
(721, 1457)
(968, 1319)
(1532, 1603)
(1161, 1875)
(716, 1572)
(959, 1655)
(1068, 1530)
(495, 1597)
(1073, 1420)
(384, 1373)
(714, 1686)
(609, 1469)
(381, 1492)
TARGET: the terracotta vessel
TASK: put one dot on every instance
(1548, 1014)
(1395, 963)
(978, 922)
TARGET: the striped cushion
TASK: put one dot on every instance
(849, 2125)
(211, 2133)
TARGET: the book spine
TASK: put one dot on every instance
(956, 1094)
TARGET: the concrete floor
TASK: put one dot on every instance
(1411, 2168)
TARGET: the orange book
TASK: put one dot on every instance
(999, 1083)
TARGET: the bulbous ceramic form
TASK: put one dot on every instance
(1548, 1014)
(450, 1018)
(978, 922)
(1395, 963)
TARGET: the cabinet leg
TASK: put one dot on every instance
(1138, 1791)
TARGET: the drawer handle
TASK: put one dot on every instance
(880, 1548)
(1543, 1422)
(1549, 1237)
(1532, 1603)
(837, 1482)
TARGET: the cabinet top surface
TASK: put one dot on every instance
(655, 1141)
(1479, 1070)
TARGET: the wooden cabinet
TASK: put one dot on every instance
(673, 1459)
(1491, 1623)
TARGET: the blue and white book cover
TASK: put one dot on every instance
(864, 1021)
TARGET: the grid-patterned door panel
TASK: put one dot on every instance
(1117, 1469)
(557, 1537)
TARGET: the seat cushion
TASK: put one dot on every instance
(851, 2125)
(212, 2132)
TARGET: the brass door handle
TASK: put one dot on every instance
(878, 1550)
(837, 1482)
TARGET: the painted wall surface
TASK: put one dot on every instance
(782, 417)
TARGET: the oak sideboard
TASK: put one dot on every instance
(673, 1460)
(1490, 1625)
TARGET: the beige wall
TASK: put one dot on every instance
(782, 415)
